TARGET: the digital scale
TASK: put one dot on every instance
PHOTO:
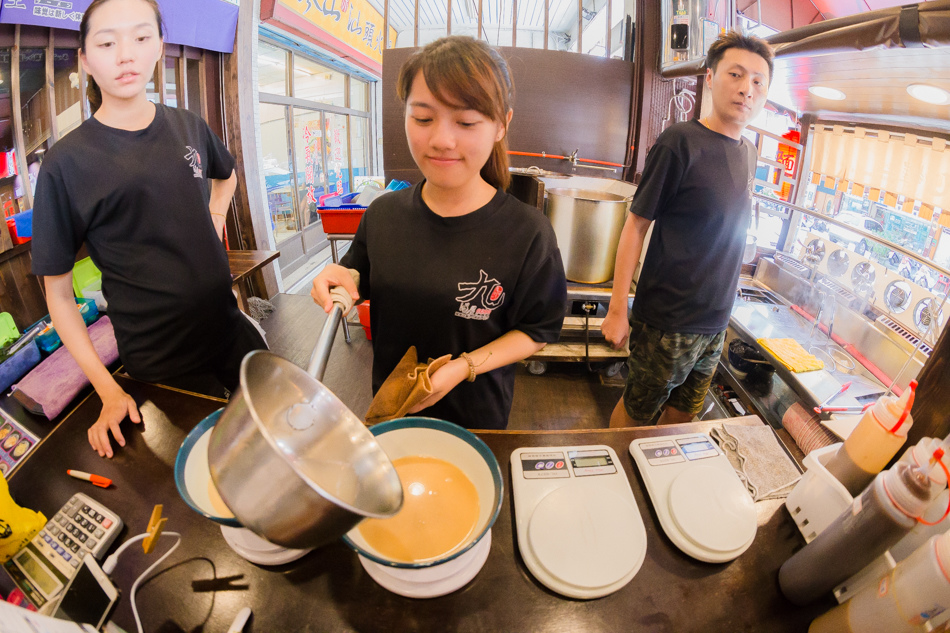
(702, 505)
(579, 529)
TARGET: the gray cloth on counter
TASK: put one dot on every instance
(763, 465)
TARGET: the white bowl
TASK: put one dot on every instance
(428, 437)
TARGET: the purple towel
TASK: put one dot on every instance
(49, 388)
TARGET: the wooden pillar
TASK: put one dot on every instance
(50, 92)
(241, 122)
(652, 94)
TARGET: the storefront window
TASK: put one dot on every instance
(272, 69)
(172, 82)
(308, 149)
(66, 90)
(359, 150)
(278, 177)
(318, 83)
(34, 102)
(359, 92)
(338, 161)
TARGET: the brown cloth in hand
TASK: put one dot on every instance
(408, 385)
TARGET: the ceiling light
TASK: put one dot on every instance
(826, 93)
(929, 94)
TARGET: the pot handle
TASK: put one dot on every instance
(342, 302)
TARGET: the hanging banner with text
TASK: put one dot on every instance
(207, 24)
(354, 23)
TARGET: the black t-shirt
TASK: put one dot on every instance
(139, 199)
(452, 285)
(697, 186)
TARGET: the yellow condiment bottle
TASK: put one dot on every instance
(874, 442)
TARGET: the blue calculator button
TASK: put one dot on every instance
(47, 538)
(60, 550)
(67, 556)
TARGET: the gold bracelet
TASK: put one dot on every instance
(472, 365)
(223, 215)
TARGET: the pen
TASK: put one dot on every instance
(238, 625)
(96, 480)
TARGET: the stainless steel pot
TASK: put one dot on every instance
(587, 225)
(292, 462)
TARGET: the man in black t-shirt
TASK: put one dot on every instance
(696, 186)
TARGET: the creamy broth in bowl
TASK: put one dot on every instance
(439, 513)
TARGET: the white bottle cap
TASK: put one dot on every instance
(908, 488)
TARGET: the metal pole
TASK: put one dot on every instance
(415, 25)
(610, 21)
(448, 18)
(547, 10)
(580, 26)
(514, 23)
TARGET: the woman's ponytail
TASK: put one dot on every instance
(93, 94)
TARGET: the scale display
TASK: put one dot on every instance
(702, 505)
(579, 528)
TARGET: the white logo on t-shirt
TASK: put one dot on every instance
(480, 297)
(194, 160)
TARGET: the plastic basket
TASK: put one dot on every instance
(363, 311)
(8, 331)
(86, 277)
(48, 340)
(343, 219)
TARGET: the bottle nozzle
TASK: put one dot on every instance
(935, 460)
(906, 401)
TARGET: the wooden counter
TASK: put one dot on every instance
(204, 583)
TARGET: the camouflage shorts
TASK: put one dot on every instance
(669, 367)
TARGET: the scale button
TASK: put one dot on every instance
(658, 453)
(549, 465)
(672, 451)
(712, 508)
(666, 452)
(587, 536)
(539, 466)
(559, 465)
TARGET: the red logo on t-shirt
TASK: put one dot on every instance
(480, 297)
(194, 161)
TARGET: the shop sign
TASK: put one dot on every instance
(186, 20)
(355, 23)
(311, 157)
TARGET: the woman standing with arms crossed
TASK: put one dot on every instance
(454, 265)
(147, 188)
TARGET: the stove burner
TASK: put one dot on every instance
(838, 262)
(927, 315)
(862, 278)
(897, 296)
(815, 251)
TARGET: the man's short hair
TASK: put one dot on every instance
(734, 39)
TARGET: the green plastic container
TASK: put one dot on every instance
(86, 277)
(8, 331)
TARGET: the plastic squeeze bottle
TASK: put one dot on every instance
(886, 511)
(912, 594)
(874, 441)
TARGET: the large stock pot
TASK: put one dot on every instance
(587, 224)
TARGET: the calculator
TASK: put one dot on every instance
(48, 562)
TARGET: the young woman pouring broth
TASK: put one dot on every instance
(147, 188)
(454, 265)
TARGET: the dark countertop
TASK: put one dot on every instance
(328, 590)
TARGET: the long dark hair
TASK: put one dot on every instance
(93, 93)
(462, 70)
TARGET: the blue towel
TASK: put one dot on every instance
(19, 364)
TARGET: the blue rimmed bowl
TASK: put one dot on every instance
(428, 437)
(193, 475)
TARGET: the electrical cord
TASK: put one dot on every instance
(109, 565)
